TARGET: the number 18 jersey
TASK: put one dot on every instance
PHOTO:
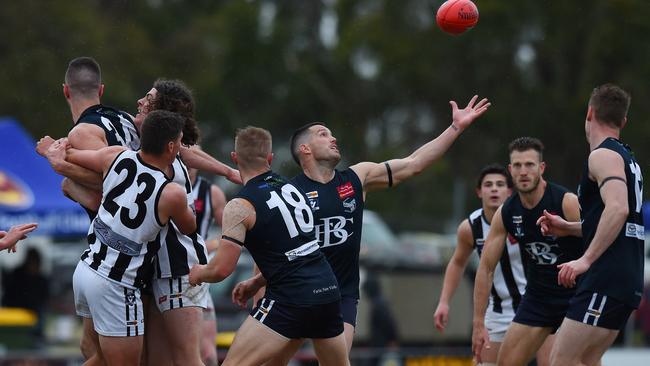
(127, 220)
(283, 243)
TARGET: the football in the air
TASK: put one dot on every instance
(457, 16)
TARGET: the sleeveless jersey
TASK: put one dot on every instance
(283, 243)
(179, 252)
(117, 125)
(126, 222)
(509, 280)
(619, 270)
(202, 199)
(541, 254)
(338, 210)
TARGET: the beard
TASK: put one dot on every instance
(533, 185)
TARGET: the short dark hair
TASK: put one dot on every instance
(252, 145)
(83, 76)
(494, 168)
(610, 104)
(527, 143)
(297, 138)
(175, 96)
(158, 129)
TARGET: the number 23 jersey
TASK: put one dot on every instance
(127, 220)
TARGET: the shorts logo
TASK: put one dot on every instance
(345, 190)
(313, 200)
(162, 299)
(129, 298)
(349, 205)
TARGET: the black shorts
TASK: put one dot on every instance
(349, 310)
(300, 321)
(535, 311)
(599, 310)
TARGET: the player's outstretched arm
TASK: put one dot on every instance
(381, 175)
(490, 256)
(199, 159)
(607, 168)
(554, 225)
(54, 152)
(238, 217)
(99, 161)
(9, 239)
(453, 273)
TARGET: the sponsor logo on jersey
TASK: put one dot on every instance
(313, 200)
(345, 190)
(349, 205)
(14, 193)
(511, 240)
(332, 231)
(162, 299)
(634, 231)
(199, 205)
(542, 253)
(517, 221)
(302, 250)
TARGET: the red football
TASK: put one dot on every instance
(457, 16)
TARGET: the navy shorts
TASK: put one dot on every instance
(599, 310)
(535, 311)
(300, 321)
(349, 310)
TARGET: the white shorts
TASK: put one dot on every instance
(116, 310)
(497, 325)
(176, 293)
(208, 312)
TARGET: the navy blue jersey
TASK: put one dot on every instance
(541, 254)
(283, 243)
(117, 125)
(619, 270)
(338, 210)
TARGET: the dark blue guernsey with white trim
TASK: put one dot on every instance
(619, 270)
(541, 254)
(338, 210)
(283, 243)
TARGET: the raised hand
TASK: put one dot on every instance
(462, 118)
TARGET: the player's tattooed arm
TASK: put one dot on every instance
(199, 159)
(238, 216)
(492, 249)
(377, 176)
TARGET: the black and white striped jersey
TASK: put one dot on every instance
(117, 125)
(202, 198)
(509, 280)
(127, 221)
(179, 252)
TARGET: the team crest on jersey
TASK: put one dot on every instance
(542, 253)
(313, 200)
(129, 298)
(345, 190)
(349, 205)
